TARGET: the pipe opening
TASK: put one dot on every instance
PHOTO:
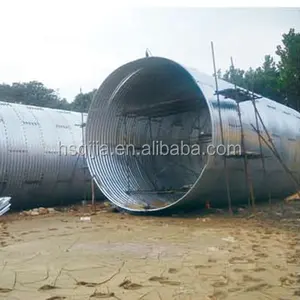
(154, 115)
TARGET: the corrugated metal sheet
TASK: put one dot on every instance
(4, 205)
(38, 160)
(156, 99)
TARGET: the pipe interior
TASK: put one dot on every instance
(157, 104)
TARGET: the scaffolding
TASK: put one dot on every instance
(154, 114)
(240, 95)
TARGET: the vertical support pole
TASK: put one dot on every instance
(84, 147)
(244, 152)
(266, 180)
(93, 192)
(221, 128)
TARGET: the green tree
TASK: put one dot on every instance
(265, 80)
(279, 82)
(32, 93)
(82, 101)
(235, 75)
(289, 68)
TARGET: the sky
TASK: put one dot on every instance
(72, 45)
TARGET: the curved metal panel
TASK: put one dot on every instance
(4, 205)
(157, 100)
(38, 160)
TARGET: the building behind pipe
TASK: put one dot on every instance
(41, 155)
(157, 100)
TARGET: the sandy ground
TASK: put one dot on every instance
(118, 256)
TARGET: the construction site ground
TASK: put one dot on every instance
(119, 256)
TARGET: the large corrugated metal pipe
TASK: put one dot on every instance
(42, 156)
(154, 139)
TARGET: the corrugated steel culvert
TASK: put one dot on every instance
(154, 101)
(42, 155)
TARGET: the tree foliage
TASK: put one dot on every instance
(32, 93)
(289, 67)
(82, 101)
(35, 93)
(277, 81)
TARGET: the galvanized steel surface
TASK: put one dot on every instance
(4, 205)
(156, 99)
(38, 160)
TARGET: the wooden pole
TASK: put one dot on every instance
(221, 128)
(93, 193)
(244, 152)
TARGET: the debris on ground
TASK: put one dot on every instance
(230, 239)
(38, 211)
(109, 207)
(203, 219)
(293, 197)
(83, 209)
(85, 219)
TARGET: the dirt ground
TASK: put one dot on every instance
(119, 256)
